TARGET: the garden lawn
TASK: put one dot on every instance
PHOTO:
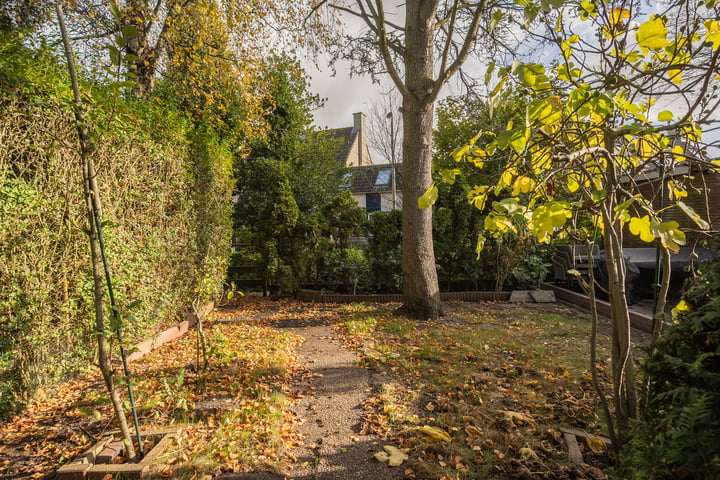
(501, 380)
(483, 393)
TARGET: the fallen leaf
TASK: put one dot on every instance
(435, 434)
(392, 455)
(597, 445)
(527, 453)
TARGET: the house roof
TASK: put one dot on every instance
(375, 179)
(348, 135)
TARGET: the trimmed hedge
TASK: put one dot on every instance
(166, 196)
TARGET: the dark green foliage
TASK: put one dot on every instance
(165, 198)
(384, 250)
(346, 270)
(286, 181)
(508, 262)
(345, 218)
(679, 436)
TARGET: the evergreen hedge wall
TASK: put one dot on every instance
(166, 194)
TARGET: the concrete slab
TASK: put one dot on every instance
(521, 296)
(543, 296)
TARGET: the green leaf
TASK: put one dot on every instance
(115, 10)
(665, 116)
(114, 55)
(546, 111)
(652, 34)
(518, 140)
(489, 72)
(531, 12)
(495, 95)
(480, 245)
(625, 205)
(449, 174)
(533, 76)
(129, 31)
(495, 20)
(693, 216)
(428, 198)
(510, 206)
(546, 218)
(115, 323)
(460, 152)
(671, 237)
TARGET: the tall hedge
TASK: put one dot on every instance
(166, 194)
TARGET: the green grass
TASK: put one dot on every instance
(463, 372)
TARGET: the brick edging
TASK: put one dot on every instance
(318, 296)
(637, 320)
(147, 346)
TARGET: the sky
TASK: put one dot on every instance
(343, 95)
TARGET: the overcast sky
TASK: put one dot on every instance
(343, 95)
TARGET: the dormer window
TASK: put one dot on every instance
(383, 177)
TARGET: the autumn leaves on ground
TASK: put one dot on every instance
(496, 384)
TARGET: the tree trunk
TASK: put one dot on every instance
(92, 203)
(623, 368)
(421, 293)
(134, 14)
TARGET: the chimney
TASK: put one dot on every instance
(359, 128)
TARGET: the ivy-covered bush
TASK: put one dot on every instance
(166, 188)
(678, 437)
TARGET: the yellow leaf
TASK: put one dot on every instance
(675, 76)
(713, 33)
(618, 15)
(676, 191)
(435, 434)
(652, 34)
(641, 227)
(681, 308)
(597, 445)
(523, 185)
(678, 153)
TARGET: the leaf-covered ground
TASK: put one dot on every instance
(483, 392)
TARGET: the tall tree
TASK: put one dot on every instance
(437, 38)
(295, 156)
(252, 28)
(626, 101)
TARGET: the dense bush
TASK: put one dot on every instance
(679, 435)
(165, 197)
(346, 270)
(384, 250)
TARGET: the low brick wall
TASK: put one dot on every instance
(316, 296)
(637, 320)
(143, 348)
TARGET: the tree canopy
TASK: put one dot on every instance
(629, 95)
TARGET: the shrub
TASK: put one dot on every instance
(384, 250)
(347, 270)
(165, 203)
(678, 437)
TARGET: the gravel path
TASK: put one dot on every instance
(330, 409)
(332, 412)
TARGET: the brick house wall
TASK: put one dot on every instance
(703, 197)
